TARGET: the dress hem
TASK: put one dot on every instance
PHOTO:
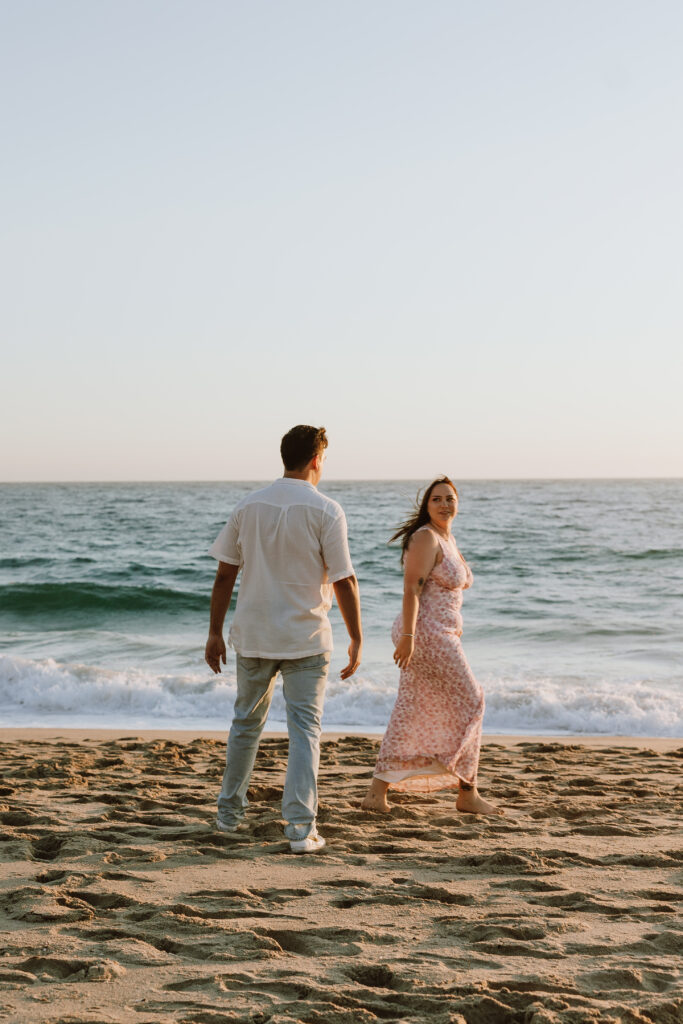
(425, 779)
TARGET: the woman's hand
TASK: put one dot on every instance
(404, 651)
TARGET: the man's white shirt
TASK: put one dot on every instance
(290, 542)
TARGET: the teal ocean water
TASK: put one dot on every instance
(573, 624)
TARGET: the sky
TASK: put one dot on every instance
(448, 232)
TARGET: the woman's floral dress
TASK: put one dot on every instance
(434, 733)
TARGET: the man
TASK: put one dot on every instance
(290, 543)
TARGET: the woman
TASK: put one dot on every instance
(434, 734)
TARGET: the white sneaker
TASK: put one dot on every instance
(311, 844)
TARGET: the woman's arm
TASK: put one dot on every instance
(419, 562)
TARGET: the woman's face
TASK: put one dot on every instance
(442, 506)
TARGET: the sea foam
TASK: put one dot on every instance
(49, 693)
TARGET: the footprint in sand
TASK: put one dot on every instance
(626, 978)
(56, 969)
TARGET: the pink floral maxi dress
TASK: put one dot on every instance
(434, 733)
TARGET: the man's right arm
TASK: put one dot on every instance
(348, 599)
(224, 583)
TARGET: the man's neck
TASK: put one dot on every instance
(309, 475)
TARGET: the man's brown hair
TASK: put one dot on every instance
(301, 444)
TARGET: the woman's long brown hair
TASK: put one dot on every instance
(420, 516)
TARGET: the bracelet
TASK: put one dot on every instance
(408, 634)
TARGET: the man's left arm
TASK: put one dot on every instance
(340, 574)
(348, 599)
(223, 586)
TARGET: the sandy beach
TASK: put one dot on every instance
(120, 902)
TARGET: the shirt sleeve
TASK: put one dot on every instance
(226, 547)
(335, 548)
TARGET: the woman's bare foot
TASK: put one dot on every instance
(372, 803)
(469, 802)
(376, 797)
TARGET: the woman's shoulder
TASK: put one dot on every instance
(425, 537)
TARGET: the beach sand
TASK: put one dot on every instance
(120, 902)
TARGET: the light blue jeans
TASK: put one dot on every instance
(303, 682)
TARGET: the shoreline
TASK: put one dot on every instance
(9, 734)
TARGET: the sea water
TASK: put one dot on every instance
(573, 624)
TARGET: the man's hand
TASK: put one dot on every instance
(214, 652)
(355, 648)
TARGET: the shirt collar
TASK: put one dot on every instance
(294, 480)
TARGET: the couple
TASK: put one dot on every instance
(290, 543)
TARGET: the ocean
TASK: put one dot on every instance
(573, 624)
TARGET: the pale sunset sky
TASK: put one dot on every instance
(448, 231)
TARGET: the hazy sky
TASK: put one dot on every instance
(448, 231)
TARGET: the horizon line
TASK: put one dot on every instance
(356, 479)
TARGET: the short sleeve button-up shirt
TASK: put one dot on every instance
(290, 543)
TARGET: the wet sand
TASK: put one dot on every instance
(120, 902)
